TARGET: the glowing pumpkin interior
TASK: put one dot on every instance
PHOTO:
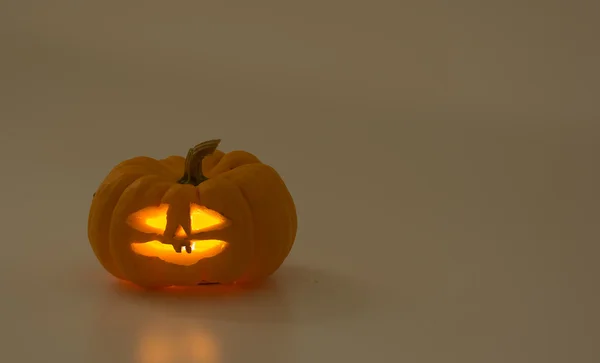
(153, 220)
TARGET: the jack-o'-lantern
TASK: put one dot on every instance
(228, 219)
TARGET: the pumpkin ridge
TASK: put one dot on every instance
(175, 164)
(292, 213)
(282, 248)
(290, 206)
(231, 161)
(254, 231)
(249, 206)
(209, 162)
(148, 164)
(97, 212)
(102, 215)
(254, 239)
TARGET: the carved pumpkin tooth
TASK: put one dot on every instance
(188, 249)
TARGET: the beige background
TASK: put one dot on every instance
(443, 156)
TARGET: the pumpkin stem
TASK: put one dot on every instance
(193, 162)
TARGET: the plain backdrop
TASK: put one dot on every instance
(443, 156)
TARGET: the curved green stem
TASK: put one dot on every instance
(193, 162)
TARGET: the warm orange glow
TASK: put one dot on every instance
(154, 219)
(200, 249)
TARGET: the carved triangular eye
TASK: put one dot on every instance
(204, 219)
(154, 220)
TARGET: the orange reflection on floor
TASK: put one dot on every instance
(167, 344)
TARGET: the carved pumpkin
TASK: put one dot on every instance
(228, 219)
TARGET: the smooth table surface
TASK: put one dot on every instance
(444, 161)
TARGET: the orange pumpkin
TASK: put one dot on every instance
(228, 219)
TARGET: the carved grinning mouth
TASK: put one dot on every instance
(196, 251)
